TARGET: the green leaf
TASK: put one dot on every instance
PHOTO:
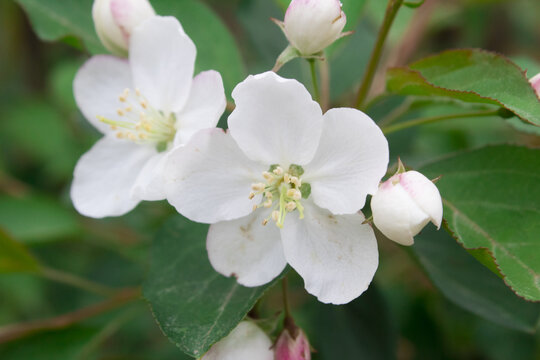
(14, 257)
(193, 304)
(216, 48)
(362, 329)
(472, 76)
(470, 285)
(37, 219)
(491, 200)
(53, 20)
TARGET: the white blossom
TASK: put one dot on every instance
(404, 204)
(115, 21)
(283, 162)
(245, 342)
(144, 107)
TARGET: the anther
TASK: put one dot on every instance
(267, 203)
(275, 215)
(267, 176)
(291, 205)
(255, 207)
(287, 178)
(257, 187)
(296, 181)
(268, 195)
(251, 195)
(278, 171)
(294, 194)
(120, 112)
(265, 221)
(144, 104)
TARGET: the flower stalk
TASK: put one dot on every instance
(390, 15)
(316, 92)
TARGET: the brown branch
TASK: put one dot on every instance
(16, 331)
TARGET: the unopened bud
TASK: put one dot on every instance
(404, 204)
(246, 342)
(312, 25)
(289, 347)
(535, 82)
(115, 20)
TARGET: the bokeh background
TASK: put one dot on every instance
(403, 315)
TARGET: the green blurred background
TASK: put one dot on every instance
(403, 315)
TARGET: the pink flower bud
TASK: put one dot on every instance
(312, 25)
(290, 348)
(404, 204)
(535, 82)
(115, 20)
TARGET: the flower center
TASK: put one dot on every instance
(282, 192)
(140, 122)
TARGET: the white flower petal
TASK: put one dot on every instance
(162, 59)
(351, 160)
(204, 107)
(97, 87)
(246, 342)
(396, 215)
(246, 249)
(335, 255)
(275, 120)
(209, 179)
(104, 176)
(150, 184)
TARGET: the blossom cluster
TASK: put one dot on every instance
(285, 184)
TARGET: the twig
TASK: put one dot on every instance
(17, 331)
(408, 124)
(390, 15)
(73, 280)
